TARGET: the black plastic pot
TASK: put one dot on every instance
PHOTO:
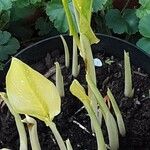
(108, 44)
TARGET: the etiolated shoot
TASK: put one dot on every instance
(59, 80)
(128, 89)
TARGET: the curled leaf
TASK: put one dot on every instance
(85, 11)
(31, 93)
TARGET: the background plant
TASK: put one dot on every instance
(30, 20)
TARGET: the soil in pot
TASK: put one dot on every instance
(73, 121)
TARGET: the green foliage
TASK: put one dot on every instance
(122, 22)
(144, 43)
(144, 9)
(25, 12)
(100, 4)
(144, 26)
(5, 4)
(8, 45)
(56, 13)
(144, 14)
(24, 3)
(43, 26)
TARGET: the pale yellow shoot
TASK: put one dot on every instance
(84, 10)
(78, 91)
(31, 93)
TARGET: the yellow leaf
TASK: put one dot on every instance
(84, 10)
(31, 93)
(78, 91)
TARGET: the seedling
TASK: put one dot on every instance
(19, 124)
(68, 144)
(34, 95)
(75, 66)
(59, 80)
(128, 89)
(67, 55)
(87, 37)
(78, 91)
(109, 119)
(32, 128)
(120, 121)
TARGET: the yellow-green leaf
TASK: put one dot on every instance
(85, 10)
(31, 93)
(78, 91)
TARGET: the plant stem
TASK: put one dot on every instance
(19, 124)
(59, 80)
(120, 121)
(68, 144)
(109, 119)
(32, 127)
(57, 135)
(75, 69)
(97, 128)
(67, 55)
(128, 91)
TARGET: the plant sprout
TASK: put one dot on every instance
(120, 121)
(32, 128)
(67, 56)
(68, 144)
(87, 37)
(78, 91)
(19, 124)
(128, 90)
(108, 117)
(33, 94)
(75, 66)
(59, 80)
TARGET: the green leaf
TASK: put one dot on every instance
(4, 37)
(24, 3)
(99, 4)
(144, 26)
(34, 1)
(144, 9)
(21, 13)
(26, 94)
(120, 23)
(132, 20)
(56, 13)
(8, 45)
(144, 43)
(5, 4)
(43, 26)
(85, 11)
(115, 21)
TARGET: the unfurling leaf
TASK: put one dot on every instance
(85, 11)
(78, 91)
(31, 93)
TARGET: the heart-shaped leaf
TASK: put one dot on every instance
(31, 93)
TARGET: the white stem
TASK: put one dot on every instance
(75, 70)
(19, 124)
(67, 55)
(128, 91)
(32, 127)
(59, 80)
(57, 135)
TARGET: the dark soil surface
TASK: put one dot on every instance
(73, 122)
